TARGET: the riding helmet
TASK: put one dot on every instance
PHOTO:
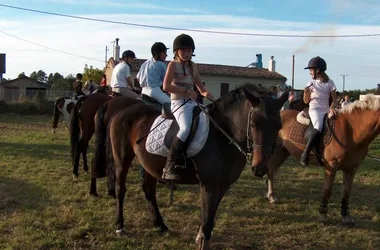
(318, 63)
(183, 41)
(157, 49)
(128, 53)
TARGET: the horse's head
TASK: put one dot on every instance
(264, 123)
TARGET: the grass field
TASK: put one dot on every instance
(43, 207)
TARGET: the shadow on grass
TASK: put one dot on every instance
(18, 196)
(40, 151)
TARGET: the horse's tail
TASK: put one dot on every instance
(56, 113)
(74, 126)
(99, 160)
(110, 167)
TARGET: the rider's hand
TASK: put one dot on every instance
(192, 94)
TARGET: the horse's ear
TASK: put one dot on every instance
(254, 100)
(282, 99)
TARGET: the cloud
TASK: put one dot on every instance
(89, 39)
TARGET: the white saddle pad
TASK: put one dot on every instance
(155, 142)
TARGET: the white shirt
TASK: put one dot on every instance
(119, 75)
(320, 94)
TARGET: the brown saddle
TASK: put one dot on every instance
(300, 133)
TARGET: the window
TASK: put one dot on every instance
(224, 88)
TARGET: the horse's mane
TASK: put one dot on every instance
(370, 102)
(232, 96)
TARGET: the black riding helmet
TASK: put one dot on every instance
(183, 41)
(317, 63)
(157, 49)
(128, 53)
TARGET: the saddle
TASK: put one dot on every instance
(165, 108)
(300, 132)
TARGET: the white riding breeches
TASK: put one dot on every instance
(316, 117)
(184, 116)
(156, 93)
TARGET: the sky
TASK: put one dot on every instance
(34, 41)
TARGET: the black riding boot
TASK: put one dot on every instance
(170, 171)
(304, 161)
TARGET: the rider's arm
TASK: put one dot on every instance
(334, 103)
(202, 89)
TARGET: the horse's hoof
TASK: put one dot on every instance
(205, 245)
(121, 232)
(95, 194)
(322, 218)
(112, 193)
(53, 131)
(273, 199)
(75, 176)
(348, 221)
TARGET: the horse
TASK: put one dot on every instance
(82, 126)
(345, 141)
(62, 105)
(102, 118)
(243, 122)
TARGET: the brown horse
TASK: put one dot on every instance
(82, 126)
(102, 118)
(345, 145)
(243, 121)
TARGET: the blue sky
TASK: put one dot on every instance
(353, 56)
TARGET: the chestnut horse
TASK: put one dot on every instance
(356, 126)
(82, 126)
(102, 118)
(243, 121)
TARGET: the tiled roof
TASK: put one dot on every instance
(223, 70)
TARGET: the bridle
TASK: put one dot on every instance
(250, 143)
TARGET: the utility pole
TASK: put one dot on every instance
(105, 59)
(344, 81)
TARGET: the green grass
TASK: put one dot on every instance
(43, 207)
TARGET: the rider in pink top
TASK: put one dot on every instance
(317, 94)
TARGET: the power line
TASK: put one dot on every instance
(185, 29)
(46, 47)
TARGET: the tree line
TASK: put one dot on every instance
(63, 83)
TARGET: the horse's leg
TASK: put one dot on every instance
(78, 151)
(327, 188)
(210, 199)
(348, 178)
(149, 187)
(93, 187)
(84, 153)
(121, 176)
(279, 157)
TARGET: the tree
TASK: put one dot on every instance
(92, 74)
(53, 78)
(39, 76)
(22, 74)
(64, 83)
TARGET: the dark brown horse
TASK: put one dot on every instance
(345, 145)
(82, 126)
(243, 121)
(102, 118)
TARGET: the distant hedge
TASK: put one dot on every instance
(28, 107)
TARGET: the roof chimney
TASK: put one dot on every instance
(116, 50)
(272, 64)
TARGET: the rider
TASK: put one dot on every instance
(180, 78)
(121, 75)
(317, 93)
(77, 86)
(152, 72)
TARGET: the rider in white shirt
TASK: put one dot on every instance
(121, 76)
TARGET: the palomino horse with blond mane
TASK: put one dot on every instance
(344, 145)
